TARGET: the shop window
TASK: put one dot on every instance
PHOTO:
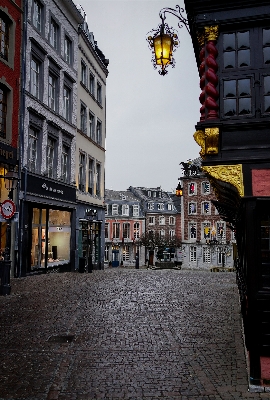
(126, 253)
(193, 253)
(206, 255)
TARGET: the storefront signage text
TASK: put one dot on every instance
(50, 189)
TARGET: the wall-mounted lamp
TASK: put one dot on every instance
(163, 40)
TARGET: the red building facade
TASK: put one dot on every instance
(11, 20)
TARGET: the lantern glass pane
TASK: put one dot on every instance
(163, 49)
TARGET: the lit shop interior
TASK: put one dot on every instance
(51, 234)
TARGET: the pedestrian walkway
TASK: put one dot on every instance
(123, 334)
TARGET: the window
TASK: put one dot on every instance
(192, 189)
(106, 253)
(205, 207)
(266, 93)
(171, 220)
(98, 179)
(170, 207)
(160, 206)
(125, 209)
(236, 50)
(99, 93)
(115, 209)
(92, 84)
(149, 193)
(54, 34)
(192, 208)
(192, 230)
(52, 92)
(67, 50)
(220, 231)
(206, 228)
(67, 103)
(266, 46)
(171, 234)
(37, 15)
(4, 36)
(206, 255)
(65, 163)
(192, 253)
(83, 119)
(90, 176)
(126, 231)
(136, 230)
(106, 209)
(150, 206)
(99, 133)
(83, 73)
(135, 210)
(116, 230)
(32, 150)
(221, 256)
(126, 253)
(206, 187)
(151, 220)
(91, 126)
(3, 112)
(106, 230)
(162, 220)
(237, 97)
(161, 233)
(82, 172)
(35, 78)
(51, 158)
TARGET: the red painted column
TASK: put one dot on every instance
(201, 40)
(211, 77)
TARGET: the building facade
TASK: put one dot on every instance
(231, 41)
(207, 241)
(160, 224)
(90, 149)
(124, 226)
(11, 19)
(48, 148)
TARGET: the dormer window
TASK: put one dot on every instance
(160, 206)
(115, 209)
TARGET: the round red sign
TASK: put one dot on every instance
(7, 209)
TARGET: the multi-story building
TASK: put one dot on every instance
(90, 148)
(231, 40)
(161, 218)
(11, 17)
(206, 240)
(124, 226)
(48, 148)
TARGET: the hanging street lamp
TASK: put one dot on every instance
(163, 40)
(179, 190)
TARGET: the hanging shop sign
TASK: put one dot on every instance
(8, 209)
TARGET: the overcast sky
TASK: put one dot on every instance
(150, 118)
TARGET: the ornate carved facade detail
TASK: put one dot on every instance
(211, 35)
(208, 140)
(201, 41)
(228, 173)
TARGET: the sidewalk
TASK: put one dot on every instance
(123, 334)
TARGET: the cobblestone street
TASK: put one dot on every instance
(123, 334)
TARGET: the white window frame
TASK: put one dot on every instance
(206, 255)
(190, 226)
(195, 189)
(189, 211)
(136, 210)
(160, 206)
(150, 206)
(125, 209)
(114, 209)
(151, 220)
(193, 254)
(171, 220)
(202, 207)
(204, 192)
(161, 220)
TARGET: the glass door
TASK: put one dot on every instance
(39, 239)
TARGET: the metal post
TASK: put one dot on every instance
(5, 265)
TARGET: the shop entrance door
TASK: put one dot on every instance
(115, 258)
(39, 239)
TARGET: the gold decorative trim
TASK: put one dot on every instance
(211, 140)
(211, 32)
(208, 140)
(201, 38)
(199, 137)
(228, 173)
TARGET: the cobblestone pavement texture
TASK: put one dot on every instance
(137, 334)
